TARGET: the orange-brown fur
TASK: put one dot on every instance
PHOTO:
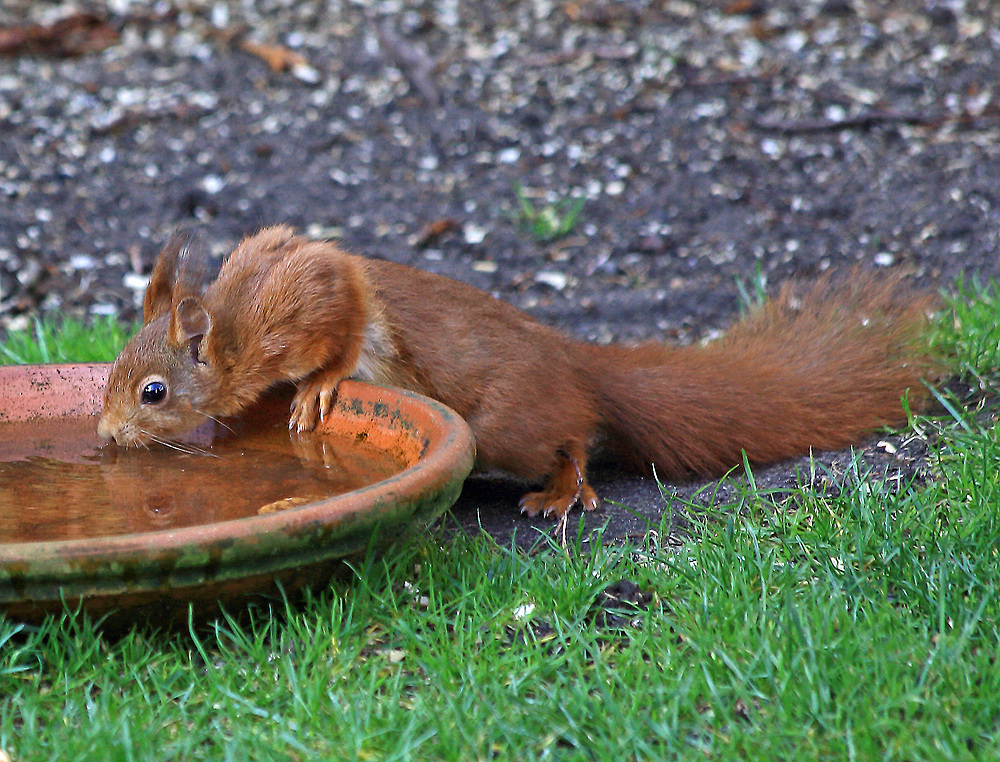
(815, 370)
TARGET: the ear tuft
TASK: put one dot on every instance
(178, 271)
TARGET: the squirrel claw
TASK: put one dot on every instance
(312, 403)
(326, 398)
(551, 503)
(301, 419)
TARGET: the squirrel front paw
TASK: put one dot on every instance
(313, 400)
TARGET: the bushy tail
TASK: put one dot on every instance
(819, 371)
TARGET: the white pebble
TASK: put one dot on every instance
(212, 184)
(553, 278)
(306, 73)
(81, 262)
(135, 281)
(509, 155)
(473, 233)
(523, 611)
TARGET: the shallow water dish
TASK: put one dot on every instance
(152, 559)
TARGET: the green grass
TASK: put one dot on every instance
(971, 332)
(863, 626)
(68, 341)
(548, 222)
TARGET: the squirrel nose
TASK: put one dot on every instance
(105, 430)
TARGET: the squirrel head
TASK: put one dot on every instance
(164, 378)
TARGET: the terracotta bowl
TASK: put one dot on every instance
(164, 574)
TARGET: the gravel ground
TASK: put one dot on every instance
(710, 141)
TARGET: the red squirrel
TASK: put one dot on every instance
(815, 371)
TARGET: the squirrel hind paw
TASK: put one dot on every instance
(554, 503)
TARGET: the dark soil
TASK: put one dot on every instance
(712, 141)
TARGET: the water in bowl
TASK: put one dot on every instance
(58, 481)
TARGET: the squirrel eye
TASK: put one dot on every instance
(154, 392)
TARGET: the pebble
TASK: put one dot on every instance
(552, 278)
(474, 234)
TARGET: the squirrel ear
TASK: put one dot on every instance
(190, 323)
(180, 266)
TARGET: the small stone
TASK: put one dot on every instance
(30, 273)
(552, 278)
(509, 155)
(771, 147)
(614, 188)
(306, 73)
(16, 323)
(135, 282)
(212, 184)
(81, 262)
(220, 16)
(474, 234)
(523, 611)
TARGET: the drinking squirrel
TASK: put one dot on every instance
(818, 370)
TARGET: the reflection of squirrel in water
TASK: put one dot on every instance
(818, 371)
